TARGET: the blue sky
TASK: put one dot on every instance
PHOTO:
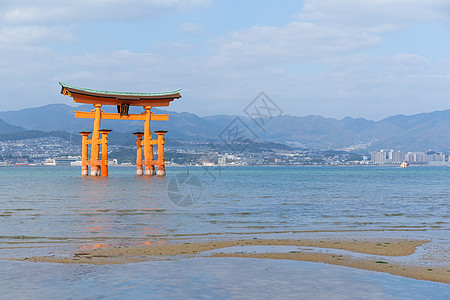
(335, 58)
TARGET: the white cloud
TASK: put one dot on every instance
(190, 27)
(373, 13)
(338, 86)
(325, 28)
(29, 22)
(399, 63)
(29, 12)
(293, 42)
(311, 65)
(379, 15)
(23, 35)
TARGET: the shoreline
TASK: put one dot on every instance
(240, 166)
(371, 254)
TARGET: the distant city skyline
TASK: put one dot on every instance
(397, 157)
(369, 59)
(58, 151)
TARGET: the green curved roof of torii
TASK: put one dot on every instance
(119, 93)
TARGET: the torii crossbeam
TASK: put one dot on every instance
(99, 140)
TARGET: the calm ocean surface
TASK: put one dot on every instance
(52, 204)
(45, 210)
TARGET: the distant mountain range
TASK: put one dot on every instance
(419, 132)
(6, 128)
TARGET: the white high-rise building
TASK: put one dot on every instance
(436, 157)
(222, 160)
(378, 157)
(396, 157)
(416, 157)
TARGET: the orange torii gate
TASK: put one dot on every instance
(99, 140)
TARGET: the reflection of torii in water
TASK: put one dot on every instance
(99, 139)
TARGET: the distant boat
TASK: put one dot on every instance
(404, 165)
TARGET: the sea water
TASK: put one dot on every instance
(55, 203)
(49, 209)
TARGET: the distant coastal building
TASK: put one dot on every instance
(22, 162)
(416, 158)
(435, 157)
(378, 157)
(66, 160)
(113, 162)
(228, 159)
(79, 163)
(222, 160)
(396, 157)
(49, 162)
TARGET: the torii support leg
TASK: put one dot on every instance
(104, 161)
(161, 162)
(148, 147)
(95, 150)
(85, 152)
(139, 169)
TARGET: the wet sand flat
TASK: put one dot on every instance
(381, 247)
(438, 274)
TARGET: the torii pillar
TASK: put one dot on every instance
(85, 152)
(148, 146)
(95, 149)
(139, 162)
(104, 160)
(161, 162)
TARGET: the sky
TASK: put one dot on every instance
(335, 58)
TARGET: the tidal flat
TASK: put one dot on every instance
(303, 222)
